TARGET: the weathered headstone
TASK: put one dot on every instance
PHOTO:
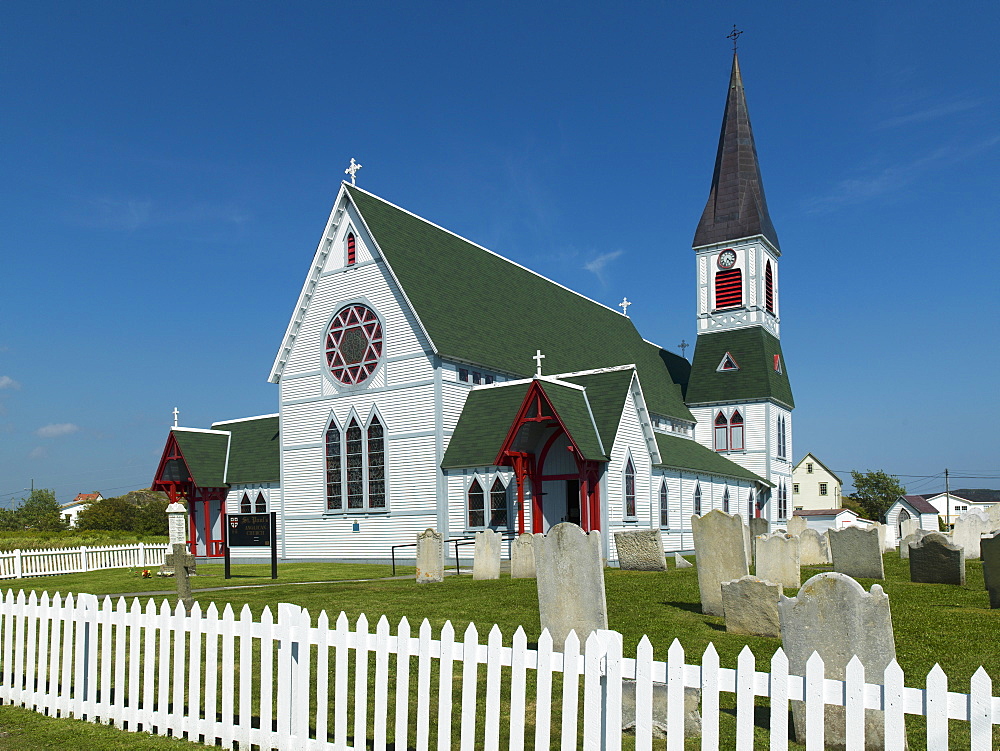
(883, 535)
(814, 549)
(486, 564)
(834, 616)
(692, 719)
(522, 557)
(640, 550)
(570, 576)
(758, 526)
(430, 557)
(990, 547)
(993, 514)
(796, 525)
(751, 606)
(969, 530)
(933, 560)
(856, 552)
(904, 544)
(182, 562)
(778, 560)
(682, 562)
(719, 548)
(907, 527)
(177, 531)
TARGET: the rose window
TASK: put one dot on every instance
(354, 344)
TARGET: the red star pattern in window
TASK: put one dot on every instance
(354, 344)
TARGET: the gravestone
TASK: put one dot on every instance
(883, 535)
(969, 530)
(834, 616)
(778, 560)
(907, 527)
(719, 548)
(486, 564)
(856, 552)
(430, 557)
(904, 544)
(934, 560)
(570, 577)
(990, 547)
(640, 550)
(814, 549)
(796, 525)
(682, 562)
(692, 719)
(182, 562)
(751, 606)
(522, 557)
(758, 526)
(746, 545)
(993, 514)
(177, 531)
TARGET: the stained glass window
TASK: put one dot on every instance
(353, 344)
(629, 488)
(476, 499)
(261, 505)
(355, 466)
(664, 505)
(376, 464)
(498, 505)
(245, 504)
(334, 487)
(725, 500)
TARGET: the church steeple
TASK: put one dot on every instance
(736, 206)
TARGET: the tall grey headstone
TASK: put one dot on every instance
(182, 562)
(814, 549)
(969, 530)
(778, 560)
(751, 606)
(856, 552)
(993, 514)
(883, 535)
(522, 557)
(640, 550)
(682, 562)
(177, 526)
(834, 616)
(486, 564)
(907, 527)
(719, 548)
(904, 544)
(796, 525)
(990, 547)
(570, 577)
(758, 526)
(430, 557)
(934, 560)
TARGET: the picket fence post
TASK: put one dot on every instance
(84, 562)
(18, 564)
(142, 555)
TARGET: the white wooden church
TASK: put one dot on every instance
(405, 403)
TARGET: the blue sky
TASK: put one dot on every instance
(168, 169)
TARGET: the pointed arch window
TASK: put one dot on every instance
(769, 288)
(729, 289)
(736, 431)
(334, 470)
(782, 500)
(782, 438)
(721, 432)
(498, 505)
(750, 507)
(355, 466)
(352, 253)
(697, 498)
(664, 505)
(245, 504)
(260, 506)
(477, 516)
(629, 489)
(376, 464)
(725, 500)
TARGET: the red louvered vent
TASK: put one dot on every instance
(351, 252)
(769, 288)
(729, 289)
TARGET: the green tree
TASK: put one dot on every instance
(876, 492)
(140, 511)
(41, 511)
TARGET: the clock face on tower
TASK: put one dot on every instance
(727, 259)
(353, 344)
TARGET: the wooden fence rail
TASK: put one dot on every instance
(17, 564)
(292, 683)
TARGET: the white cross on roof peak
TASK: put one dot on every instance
(538, 360)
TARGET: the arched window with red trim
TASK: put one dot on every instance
(352, 254)
(261, 505)
(498, 505)
(721, 432)
(769, 288)
(729, 289)
(477, 516)
(736, 431)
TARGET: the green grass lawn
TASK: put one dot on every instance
(949, 625)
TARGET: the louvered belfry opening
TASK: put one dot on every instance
(769, 288)
(729, 289)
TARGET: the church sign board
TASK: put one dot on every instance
(251, 531)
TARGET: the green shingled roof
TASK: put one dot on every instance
(464, 313)
(606, 393)
(205, 456)
(571, 406)
(691, 456)
(253, 453)
(483, 425)
(753, 349)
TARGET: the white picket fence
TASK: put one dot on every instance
(291, 684)
(17, 564)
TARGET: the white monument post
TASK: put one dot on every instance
(177, 530)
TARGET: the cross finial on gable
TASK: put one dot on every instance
(734, 35)
(176, 412)
(624, 306)
(352, 170)
(538, 359)
(683, 346)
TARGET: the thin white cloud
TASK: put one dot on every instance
(56, 429)
(598, 264)
(941, 109)
(6, 382)
(130, 214)
(39, 452)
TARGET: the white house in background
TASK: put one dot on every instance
(831, 518)
(950, 506)
(910, 507)
(82, 500)
(814, 486)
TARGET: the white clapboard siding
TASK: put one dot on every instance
(16, 564)
(302, 387)
(61, 656)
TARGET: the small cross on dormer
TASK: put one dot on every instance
(538, 360)
(176, 412)
(624, 306)
(352, 170)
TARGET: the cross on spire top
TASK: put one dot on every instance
(538, 360)
(734, 35)
(352, 170)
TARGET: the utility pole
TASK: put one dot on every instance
(947, 497)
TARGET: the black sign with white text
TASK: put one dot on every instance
(249, 530)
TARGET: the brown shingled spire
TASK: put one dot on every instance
(736, 207)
